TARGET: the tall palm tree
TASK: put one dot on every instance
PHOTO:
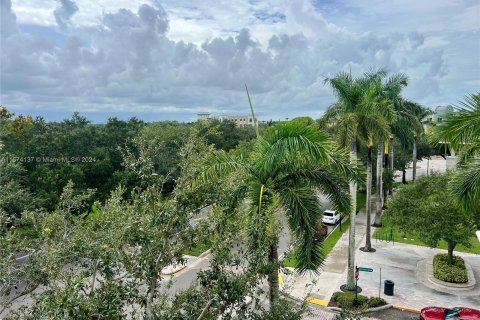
(287, 169)
(461, 129)
(390, 91)
(355, 120)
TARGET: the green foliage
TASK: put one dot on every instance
(427, 208)
(54, 153)
(374, 302)
(106, 302)
(461, 130)
(383, 233)
(350, 301)
(455, 272)
(284, 171)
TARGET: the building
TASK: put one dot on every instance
(240, 120)
(435, 118)
(437, 115)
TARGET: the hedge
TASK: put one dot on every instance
(453, 273)
(346, 300)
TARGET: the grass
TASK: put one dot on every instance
(197, 250)
(361, 200)
(328, 244)
(398, 236)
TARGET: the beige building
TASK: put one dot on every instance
(240, 120)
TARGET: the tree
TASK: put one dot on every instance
(359, 115)
(15, 196)
(283, 174)
(390, 91)
(97, 266)
(461, 130)
(427, 208)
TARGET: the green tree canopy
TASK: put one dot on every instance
(428, 209)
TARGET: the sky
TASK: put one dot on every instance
(169, 60)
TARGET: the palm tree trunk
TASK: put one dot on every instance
(273, 274)
(368, 242)
(414, 171)
(451, 246)
(379, 194)
(390, 159)
(353, 214)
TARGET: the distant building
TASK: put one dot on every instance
(203, 116)
(437, 116)
(240, 120)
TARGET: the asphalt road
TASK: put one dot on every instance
(184, 278)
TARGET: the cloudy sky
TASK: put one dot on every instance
(173, 58)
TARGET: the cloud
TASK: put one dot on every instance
(175, 59)
(64, 12)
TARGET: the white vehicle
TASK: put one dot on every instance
(330, 217)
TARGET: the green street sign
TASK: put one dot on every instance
(365, 269)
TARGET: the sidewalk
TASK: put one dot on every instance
(319, 288)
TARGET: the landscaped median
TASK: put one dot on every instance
(352, 301)
(454, 272)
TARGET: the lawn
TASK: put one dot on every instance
(382, 233)
(328, 244)
(361, 200)
(197, 250)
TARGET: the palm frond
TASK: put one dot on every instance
(302, 207)
(462, 128)
(290, 139)
(466, 184)
(327, 182)
(219, 165)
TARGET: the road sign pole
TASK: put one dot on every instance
(380, 283)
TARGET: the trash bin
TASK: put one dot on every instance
(388, 287)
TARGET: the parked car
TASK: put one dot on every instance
(439, 313)
(330, 216)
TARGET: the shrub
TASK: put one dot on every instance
(374, 302)
(346, 300)
(453, 273)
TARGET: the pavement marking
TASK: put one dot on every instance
(320, 302)
(406, 309)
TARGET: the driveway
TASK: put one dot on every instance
(399, 264)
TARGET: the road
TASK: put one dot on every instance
(185, 277)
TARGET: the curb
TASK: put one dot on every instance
(179, 271)
(206, 253)
(406, 309)
(387, 306)
(317, 301)
(174, 273)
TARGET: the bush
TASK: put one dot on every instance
(374, 302)
(453, 273)
(346, 300)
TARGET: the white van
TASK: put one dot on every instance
(330, 217)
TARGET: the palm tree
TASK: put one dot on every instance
(390, 91)
(355, 119)
(287, 169)
(461, 130)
